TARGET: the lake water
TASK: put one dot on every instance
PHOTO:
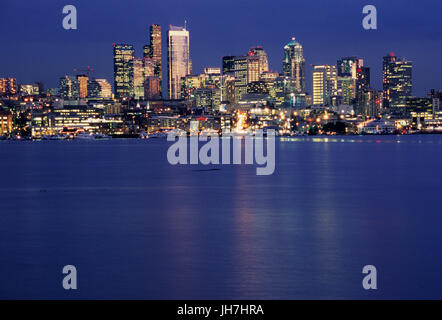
(136, 227)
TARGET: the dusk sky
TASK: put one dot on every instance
(35, 47)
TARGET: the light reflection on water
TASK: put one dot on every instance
(137, 227)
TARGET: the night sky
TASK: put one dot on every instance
(35, 47)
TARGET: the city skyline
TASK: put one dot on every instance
(347, 39)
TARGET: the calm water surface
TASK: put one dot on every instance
(138, 228)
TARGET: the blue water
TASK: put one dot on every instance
(136, 227)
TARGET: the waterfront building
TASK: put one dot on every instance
(124, 70)
(178, 58)
(378, 126)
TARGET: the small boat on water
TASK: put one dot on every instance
(91, 136)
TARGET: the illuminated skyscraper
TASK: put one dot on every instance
(353, 77)
(82, 85)
(138, 78)
(153, 51)
(69, 88)
(178, 59)
(263, 60)
(228, 64)
(99, 88)
(246, 71)
(8, 86)
(152, 88)
(149, 68)
(293, 64)
(324, 84)
(397, 81)
(124, 70)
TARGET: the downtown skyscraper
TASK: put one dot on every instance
(397, 81)
(263, 59)
(246, 70)
(153, 51)
(124, 70)
(293, 64)
(325, 84)
(353, 79)
(178, 59)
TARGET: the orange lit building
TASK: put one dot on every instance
(5, 122)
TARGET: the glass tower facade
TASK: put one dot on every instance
(397, 81)
(263, 60)
(124, 70)
(154, 53)
(178, 59)
(293, 64)
(325, 84)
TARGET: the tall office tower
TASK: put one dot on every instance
(82, 85)
(348, 67)
(228, 88)
(349, 70)
(324, 84)
(353, 67)
(124, 70)
(228, 65)
(293, 64)
(139, 78)
(69, 88)
(246, 71)
(368, 102)
(263, 60)
(397, 81)
(178, 59)
(99, 88)
(189, 84)
(362, 79)
(8, 86)
(212, 78)
(149, 68)
(152, 89)
(153, 51)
